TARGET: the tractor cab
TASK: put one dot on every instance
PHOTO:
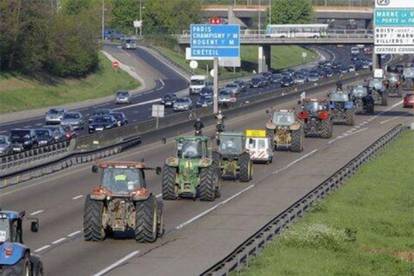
(192, 147)
(314, 106)
(11, 229)
(284, 118)
(231, 143)
(338, 96)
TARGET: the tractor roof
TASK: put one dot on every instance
(314, 100)
(11, 215)
(192, 138)
(234, 134)
(120, 164)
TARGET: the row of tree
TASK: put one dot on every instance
(57, 37)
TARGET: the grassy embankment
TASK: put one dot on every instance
(366, 228)
(282, 57)
(19, 92)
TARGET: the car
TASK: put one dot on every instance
(313, 76)
(204, 101)
(408, 100)
(69, 132)
(22, 139)
(58, 133)
(368, 50)
(122, 97)
(242, 84)
(99, 113)
(54, 116)
(355, 51)
(207, 91)
(44, 136)
(233, 87)
(120, 118)
(257, 82)
(344, 69)
(351, 68)
(74, 119)
(5, 145)
(287, 82)
(267, 75)
(276, 78)
(299, 79)
(100, 123)
(329, 73)
(168, 100)
(183, 104)
(129, 43)
(226, 97)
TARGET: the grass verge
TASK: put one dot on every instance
(366, 228)
(282, 57)
(19, 92)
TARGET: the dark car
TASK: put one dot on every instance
(58, 133)
(100, 123)
(44, 136)
(204, 101)
(69, 132)
(120, 118)
(5, 145)
(287, 82)
(267, 75)
(22, 139)
(408, 100)
(259, 82)
(207, 91)
(243, 84)
(169, 99)
(99, 113)
(276, 78)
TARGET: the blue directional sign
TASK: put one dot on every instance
(394, 17)
(214, 41)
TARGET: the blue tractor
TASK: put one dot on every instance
(16, 258)
(341, 106)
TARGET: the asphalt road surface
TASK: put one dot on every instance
(198, 234)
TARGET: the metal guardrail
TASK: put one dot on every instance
(252, 247)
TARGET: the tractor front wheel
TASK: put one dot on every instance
(246, 167)
(349, 117)
(146, 220)
(384, 99)
(207, 187)
(168, 183)
(93, 229)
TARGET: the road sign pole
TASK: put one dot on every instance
(215, 89)
(157, 122)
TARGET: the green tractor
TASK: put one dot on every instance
(232, 158)
(192, 172)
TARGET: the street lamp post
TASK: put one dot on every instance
(260, 16)
(103, 21)
(140, 17)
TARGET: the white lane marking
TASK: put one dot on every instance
(158, 196)
(389, 120)
(36, 212)
(3, 131)
(213, 208)
(295, 161)
(42, 248)
(346, 134)
(358, 131)
(118, 263)
(39, 124)
(162, 82)
(29, 126)
(138, 104)
(77, 197)
(59, 241)
(74, 233)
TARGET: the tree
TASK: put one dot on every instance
(291, 11)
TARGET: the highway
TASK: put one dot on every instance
(167, 80)
(198, 233)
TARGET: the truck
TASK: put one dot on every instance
(197, 83)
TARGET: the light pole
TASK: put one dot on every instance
(270, 12)
(260, 16)
(103, 21)
(140, 18)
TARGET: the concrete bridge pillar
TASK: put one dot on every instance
(264, 58)
(376, 61)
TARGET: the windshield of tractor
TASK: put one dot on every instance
(313, 107)
(339, 97)
(231, 144)
(393, 78)
(190, 149)
(283, 118)
(122, 179)
(359, 91)
(4, 230)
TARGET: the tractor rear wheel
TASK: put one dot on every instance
(349, 114)
(326, 129)
(168, 183)
(270, 133)
(146, 220)
(37, 266)
(297, 140)
(93, 229)
(245, 165)
(207, 186)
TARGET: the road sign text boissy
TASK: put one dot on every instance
(215, 40)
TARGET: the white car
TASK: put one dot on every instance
(54, 116)
(183, 104)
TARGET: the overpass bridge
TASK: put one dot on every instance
(338, 37)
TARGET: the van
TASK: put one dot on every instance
(259, 146)
(197, 83)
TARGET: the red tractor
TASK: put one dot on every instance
(316, 118)
(122, 203)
